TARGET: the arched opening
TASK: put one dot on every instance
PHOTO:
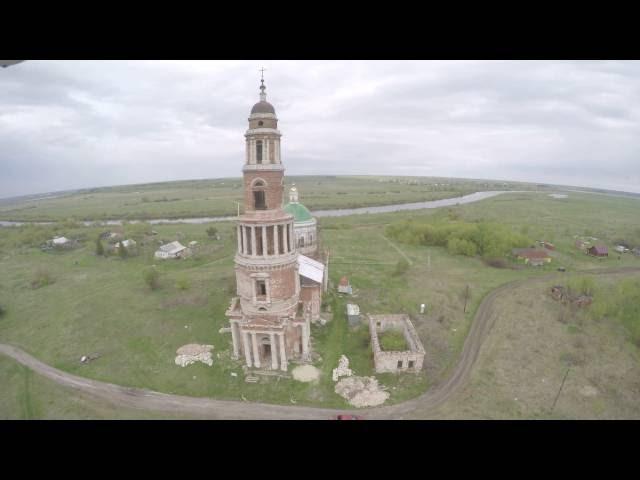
(259, 151)
(259, 198)
(301, 242)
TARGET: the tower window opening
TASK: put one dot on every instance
(261, 289)
(259, 151)
(259, 200)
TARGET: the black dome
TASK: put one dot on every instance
(263, 107)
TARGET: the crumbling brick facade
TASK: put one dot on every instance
(409, 360)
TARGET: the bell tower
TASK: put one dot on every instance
(265, 324)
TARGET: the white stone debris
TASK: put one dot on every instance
(234, 374)
(305, 373)
(343, 369)
(361, 391)
(84, 358)
(192, 353)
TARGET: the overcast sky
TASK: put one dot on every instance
(76, 124)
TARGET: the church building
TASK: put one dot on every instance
(278, 288)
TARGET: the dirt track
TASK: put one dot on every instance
(420, 407)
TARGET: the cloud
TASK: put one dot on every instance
(74, 124)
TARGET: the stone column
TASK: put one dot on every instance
(305, 341)
(256, 355)
(264, 241)
(234, 339)
(247, 351)
(283, 354)
(254, 249)
(285, 230)
(243, 230)
(292, 240)
(276, 247)
(239, 238)
(274, 353)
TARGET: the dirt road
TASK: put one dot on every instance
(420, 407)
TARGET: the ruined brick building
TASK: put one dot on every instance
(278, 289)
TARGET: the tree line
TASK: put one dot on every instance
(485, 239)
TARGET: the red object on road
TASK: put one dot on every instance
(348, 417)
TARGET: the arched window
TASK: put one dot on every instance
(259, 199)
(258, 151)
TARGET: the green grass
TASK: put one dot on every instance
(392, 341)
(102, 305)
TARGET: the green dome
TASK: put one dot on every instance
(300, 212)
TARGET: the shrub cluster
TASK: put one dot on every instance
(460, 238)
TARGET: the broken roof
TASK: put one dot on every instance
(353, 309)
(310, 268)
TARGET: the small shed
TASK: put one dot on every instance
(344, 286)
(353, 314)
(598, 251)
(620, 249)
(636, 251)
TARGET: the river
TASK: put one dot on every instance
(338, 212)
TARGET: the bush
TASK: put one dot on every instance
(212, 232)
(99, 247)
(401, 267)
(183, 284)
(456, 246)
(41, 278)
(152, 278)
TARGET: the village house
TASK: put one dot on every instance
(532, 256)
(598, 251)
(129, 244)
(172, 250)
(621, 249)
(636, 251)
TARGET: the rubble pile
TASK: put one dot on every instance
(192, 353)
(343, 369)
(362, 391)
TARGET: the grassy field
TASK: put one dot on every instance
(522, 365)
(204, 198)
(102, 306)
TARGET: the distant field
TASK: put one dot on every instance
(101, 305)
(203, 198)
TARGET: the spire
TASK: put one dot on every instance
(293, 194)
(263, 94)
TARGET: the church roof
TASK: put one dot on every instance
(300, 212)
(263, 107)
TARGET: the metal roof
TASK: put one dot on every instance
(310, 268)
(353, 309)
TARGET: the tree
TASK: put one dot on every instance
(99, 247)
(212, 232)
(122, 250)
(401, 267)
(152, 278)
(466, 296)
